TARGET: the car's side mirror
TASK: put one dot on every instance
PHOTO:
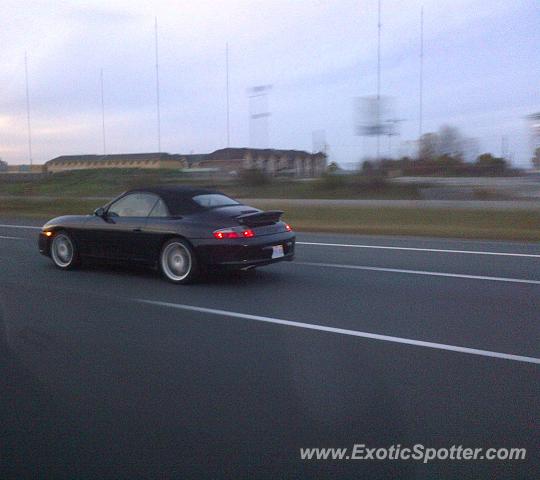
(100, 212)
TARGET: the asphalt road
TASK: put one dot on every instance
(114, 373)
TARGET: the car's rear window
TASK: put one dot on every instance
(213, 200)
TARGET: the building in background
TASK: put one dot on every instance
(226, 161)
(534, 123)
(273, 162)
(24, 169)
(127, 160)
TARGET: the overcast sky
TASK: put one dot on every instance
(481, 72)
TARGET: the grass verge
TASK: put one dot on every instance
(88, 183)
(460, 223)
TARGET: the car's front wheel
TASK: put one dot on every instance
(178, 262)
(64, 252)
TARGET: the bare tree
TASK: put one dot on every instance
(451, 142)
(448, 142)
(429, 147)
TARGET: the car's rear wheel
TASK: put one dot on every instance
(64, 252)
(178, 262)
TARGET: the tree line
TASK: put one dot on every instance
(446, 152)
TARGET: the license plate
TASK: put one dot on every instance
(277, 251)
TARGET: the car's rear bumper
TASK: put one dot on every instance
(254, 263)
(243, 253)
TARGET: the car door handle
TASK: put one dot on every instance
(137, 229)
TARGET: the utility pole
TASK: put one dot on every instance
(103, 114)
(227, 86)
(28, 109)
(157, 88)
(504, 147)
(421, 73)
(379, 81)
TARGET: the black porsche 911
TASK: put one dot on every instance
(182, 231)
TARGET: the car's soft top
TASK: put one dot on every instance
(178, 198)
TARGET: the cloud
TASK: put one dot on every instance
(317, 54)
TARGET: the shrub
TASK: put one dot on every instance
(332, 167)
(331, 181)
(140, 179)
(253, 177)
(369, 183)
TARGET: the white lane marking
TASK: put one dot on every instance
(11, 238)
(30, 227)
(414, 249)
(379, 247)
(420, 272)
(344, 331)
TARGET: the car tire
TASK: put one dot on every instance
(64, 252)
(178, 262)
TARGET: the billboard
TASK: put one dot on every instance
(372, 114)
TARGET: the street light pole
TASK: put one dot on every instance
(28, 109)
(421, 72)
(227, 86)
(259, 92)
(157, 88)
(379, 81)
(103, 114)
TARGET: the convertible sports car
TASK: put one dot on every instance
(180, 230)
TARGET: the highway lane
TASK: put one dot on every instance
(460, 311)
(202, 392)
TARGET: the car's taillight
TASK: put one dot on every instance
(228, 233)
(288, 227)
(225, 233)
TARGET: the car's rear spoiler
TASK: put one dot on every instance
(260, 218)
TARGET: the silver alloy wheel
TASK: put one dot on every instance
(62, 250)
(176, 261)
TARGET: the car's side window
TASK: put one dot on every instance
(133, 205)
(159, 210)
